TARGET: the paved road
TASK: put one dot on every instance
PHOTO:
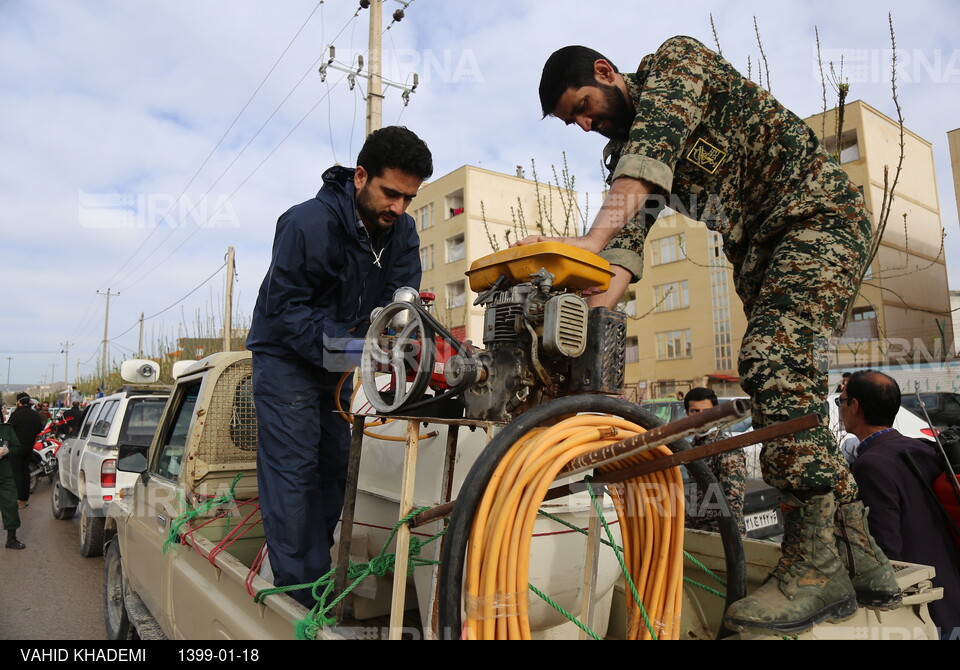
(49, 591)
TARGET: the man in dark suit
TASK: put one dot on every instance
(904, 518)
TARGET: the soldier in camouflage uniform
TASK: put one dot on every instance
(730, 469)
(689, 131)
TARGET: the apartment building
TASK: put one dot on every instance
(469, 213)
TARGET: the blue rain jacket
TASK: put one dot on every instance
(323, 283)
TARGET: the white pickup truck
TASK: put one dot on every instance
(88, 476)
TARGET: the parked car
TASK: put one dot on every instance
(942, 406)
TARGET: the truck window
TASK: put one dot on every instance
(89, 416)
(102, 425)
(86, 420)
(140, 422)
(175, 440)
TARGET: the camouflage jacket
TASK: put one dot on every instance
(722, 150)
(730, 469)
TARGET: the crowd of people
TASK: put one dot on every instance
(19, 428)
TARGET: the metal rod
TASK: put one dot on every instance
(721, 415)
(346, 519)
(689, 455)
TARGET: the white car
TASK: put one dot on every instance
(87, 477)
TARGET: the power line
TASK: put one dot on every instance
(242, 184)
(232, 163)
(217, 146)
(137, 322)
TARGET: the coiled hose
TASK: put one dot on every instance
(498, 503)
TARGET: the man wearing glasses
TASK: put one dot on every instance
(904, 520)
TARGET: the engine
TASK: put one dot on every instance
(540, 340)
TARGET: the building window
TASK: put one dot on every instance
(674, 344)
(425, 217)
(849, 147)
(720, 299)
(628, 304)
(863, 324)
(668, 297)
(456, 248)
(456, 295)
(633, 350)
(667, 250)
(426, 258)
(453, 204)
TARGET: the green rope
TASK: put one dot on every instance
(700, 565)
(173, 537)
(571, 526)
(562, 611)
(619, 554)
(320, 614)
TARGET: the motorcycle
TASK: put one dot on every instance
(43, 461)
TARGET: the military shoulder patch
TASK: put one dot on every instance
(706, 156)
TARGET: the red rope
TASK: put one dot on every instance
(255, 569)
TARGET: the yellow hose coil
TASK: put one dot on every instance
(498, 555)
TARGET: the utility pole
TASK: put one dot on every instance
(375, 80)
(140, 346)
(66, 362)
(228, 303)
(374, 86)
(103, 360)
(9, 358)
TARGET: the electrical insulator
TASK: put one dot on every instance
(398, 15)
(364, 4)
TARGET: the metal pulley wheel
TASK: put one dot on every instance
(409, 354)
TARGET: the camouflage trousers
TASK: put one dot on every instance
(812, 275)
(730, 469)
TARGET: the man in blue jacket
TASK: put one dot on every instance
(336, 257)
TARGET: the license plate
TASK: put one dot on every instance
(760, 520)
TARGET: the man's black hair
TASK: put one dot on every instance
(567, 67)
(699, 393)
(878, 395)
(398, 148)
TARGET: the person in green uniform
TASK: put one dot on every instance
(9, 510)
(688, 131)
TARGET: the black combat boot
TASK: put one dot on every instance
(13, 542)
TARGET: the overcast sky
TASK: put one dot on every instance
(140, 139)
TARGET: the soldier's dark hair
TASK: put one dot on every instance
(878, 395)
(570, 66)
(699, 393)
(398, 148)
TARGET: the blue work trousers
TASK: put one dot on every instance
(302, 453)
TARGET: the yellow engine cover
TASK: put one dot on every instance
(573, 268)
